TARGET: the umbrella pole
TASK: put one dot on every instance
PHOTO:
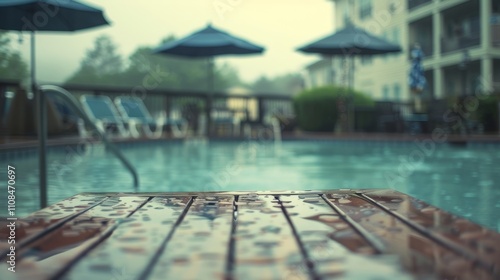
(350, 108)
(211, 89)
(42, 128)
(33, 70)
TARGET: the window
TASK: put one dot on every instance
(395, 36)
(450, 87)
(346, 14)
(346, 18)
(365, 60)
(395, 39)
(385, 92)
(385, 35)
(495, 7)
(314, 82)
(365, 9)
(397, 92)
(329, 76)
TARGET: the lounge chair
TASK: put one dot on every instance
(103, 112)
(133, 109)
(224, 118)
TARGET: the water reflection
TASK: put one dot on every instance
(452, 178)
(418, 253)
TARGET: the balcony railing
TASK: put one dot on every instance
(495, 34)
(427, 48)
(412, 4)
(459, 43)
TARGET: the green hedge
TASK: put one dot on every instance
(487, 113)
(317, 108)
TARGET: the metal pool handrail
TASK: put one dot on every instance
(73, 103)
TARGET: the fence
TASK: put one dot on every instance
(256, 108)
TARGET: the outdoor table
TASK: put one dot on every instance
(355, 234)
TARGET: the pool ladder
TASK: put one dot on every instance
(73, 103)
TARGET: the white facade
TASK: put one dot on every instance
(320, 73)
(384, 77)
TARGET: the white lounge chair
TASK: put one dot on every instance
(133, 109)
(101, 110)
(225, 118)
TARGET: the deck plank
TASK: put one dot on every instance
(265, 247)
(199, 246)
(49, 255)
(418, 254)
(127, 252)
(46, 218)
(351, 234)
(482, 242)
(333, 246)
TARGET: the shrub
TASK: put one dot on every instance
(487, 113)
(317, 109)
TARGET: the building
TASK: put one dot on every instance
(460, 40)
(320, 73)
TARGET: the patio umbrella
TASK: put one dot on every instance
(349, 42)
(46, 15)
(417, 79)
(209, 42)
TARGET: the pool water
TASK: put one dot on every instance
(462, 180)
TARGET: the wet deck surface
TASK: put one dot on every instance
(362, 234)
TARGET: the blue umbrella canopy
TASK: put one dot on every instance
(209, 42)
(351, 41)
(417, 79)
(48, 15)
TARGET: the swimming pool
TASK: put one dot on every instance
(461, 180)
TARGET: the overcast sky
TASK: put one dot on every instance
(279, 26)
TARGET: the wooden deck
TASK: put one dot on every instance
(362, 234)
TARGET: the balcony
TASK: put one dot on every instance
(461, 27)
(412, 4)
(421, 32)
(495, 30)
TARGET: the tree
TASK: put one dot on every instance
(168, 71)
(12, 66)
(291, 83)
(4, 46)
(159, 71)
(287, 84)
(264, 85)
(226, 76)
(101, 65)
(148, 70)
(15, 67)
